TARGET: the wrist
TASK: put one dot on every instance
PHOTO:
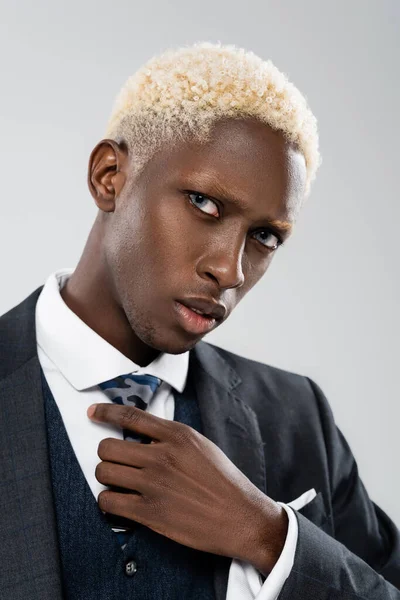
(269, 536)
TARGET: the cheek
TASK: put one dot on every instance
(174, 238)
(125, 253)
(255, 267)
(156, 247)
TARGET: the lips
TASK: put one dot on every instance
(207, 308)
(192, 322)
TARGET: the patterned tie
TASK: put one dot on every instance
(131, 390)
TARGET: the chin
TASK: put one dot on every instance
(173, 346)
(162, 339)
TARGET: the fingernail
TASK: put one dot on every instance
(91, 410)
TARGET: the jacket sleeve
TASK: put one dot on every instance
(362, 559)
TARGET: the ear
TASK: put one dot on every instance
(105, 176)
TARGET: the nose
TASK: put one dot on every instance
(224, 264)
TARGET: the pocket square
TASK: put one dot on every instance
(302, 500)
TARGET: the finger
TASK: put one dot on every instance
(125, 452)
(120, 476)
(132, 418)
(123, 505)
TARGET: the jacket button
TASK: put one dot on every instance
(130, 568)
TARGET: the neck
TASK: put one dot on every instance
(90, 294)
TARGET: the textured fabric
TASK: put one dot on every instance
(93, 562)
(131, 390)
(27, 522)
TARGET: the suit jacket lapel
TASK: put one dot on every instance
(230, 423)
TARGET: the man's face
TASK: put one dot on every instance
(176, 235)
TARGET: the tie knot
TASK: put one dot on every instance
(131, 389)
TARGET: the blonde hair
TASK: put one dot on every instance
(181, 93)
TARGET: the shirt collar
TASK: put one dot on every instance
(83, 357)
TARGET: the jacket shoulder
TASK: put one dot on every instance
(268, 388)
(257, 371)
(18, 335)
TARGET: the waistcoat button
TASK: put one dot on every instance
(130, 568)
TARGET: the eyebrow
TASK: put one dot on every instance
(283, 227)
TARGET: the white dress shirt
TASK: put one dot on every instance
(75, 359)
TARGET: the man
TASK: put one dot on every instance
(138, 461)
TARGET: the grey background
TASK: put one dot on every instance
(328, 307)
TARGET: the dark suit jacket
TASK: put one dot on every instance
(275, 426)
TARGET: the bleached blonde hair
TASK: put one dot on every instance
(181, 93)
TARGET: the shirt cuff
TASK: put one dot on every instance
(246, 583)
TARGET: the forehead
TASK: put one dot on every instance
(245, 160)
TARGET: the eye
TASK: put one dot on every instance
(204, 204)
(268, 239)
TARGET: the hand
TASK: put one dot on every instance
(185, 488)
